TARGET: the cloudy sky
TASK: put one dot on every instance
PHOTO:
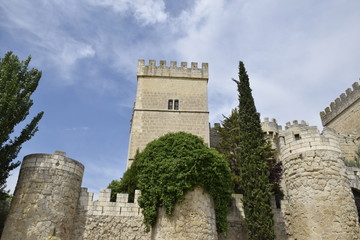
(300, 55)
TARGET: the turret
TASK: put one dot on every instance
(318, 202)
(45, 198)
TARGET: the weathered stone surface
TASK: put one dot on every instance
(194, 218)
(45, 199)
(156, 86)
(110, 228)
(318, 199)
(344, 113)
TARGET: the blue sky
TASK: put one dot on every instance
(300, 55)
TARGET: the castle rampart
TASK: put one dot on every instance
(318, 196)
(105, 220)
(45, 198)
(343, 114)
(103, 206)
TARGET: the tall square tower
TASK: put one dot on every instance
(168, 99)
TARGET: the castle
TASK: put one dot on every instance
(321, 193)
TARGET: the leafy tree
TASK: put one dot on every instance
(127, 184)
(174, 164)
(4, 210)
(17, 84)
(253, 153)
(228, 144)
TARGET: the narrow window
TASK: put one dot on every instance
(356, 194)
(170, 104)
(297, 137)
(176, 104)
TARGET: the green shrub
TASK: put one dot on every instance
(127, 184)
(174, 164)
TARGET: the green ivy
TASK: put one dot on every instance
(176, 163)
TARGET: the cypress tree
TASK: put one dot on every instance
(253, 153)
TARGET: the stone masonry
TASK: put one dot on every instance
(194, 218)
(106, 220)
(344, 113)
(318, 199)
(45, 198)
(169, 99)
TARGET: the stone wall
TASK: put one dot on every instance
(318, 203)
(194, 218)
(102, 219)
(156, 86)
(353, 174)
(236, 220)
(349, 144)
(45, 198)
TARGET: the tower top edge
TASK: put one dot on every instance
(340, 104)
(173, 70)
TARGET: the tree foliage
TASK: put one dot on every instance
(253, 153)
(228, 144)
(127, 184)
(17, 84)
(174, 164)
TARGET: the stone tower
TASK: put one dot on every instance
(168, 99)
(45, 198)
(319, 203)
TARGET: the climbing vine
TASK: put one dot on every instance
(174, 164)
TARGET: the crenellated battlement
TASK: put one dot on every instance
(341, 103)
(299, 138)
(57, 161)
(104, 207)
(270, 126)
(296, 123)
(182, 71)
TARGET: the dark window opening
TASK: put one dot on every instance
(170, 104)
(297, 137)
(357, 201)
(176, 104)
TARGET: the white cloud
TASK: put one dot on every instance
(145, 11)
(291, 51)
(83, 129)
(44, 27)
(149, 11)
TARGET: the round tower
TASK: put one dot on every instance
(45, 198)
(271, 130)
(318, 199)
